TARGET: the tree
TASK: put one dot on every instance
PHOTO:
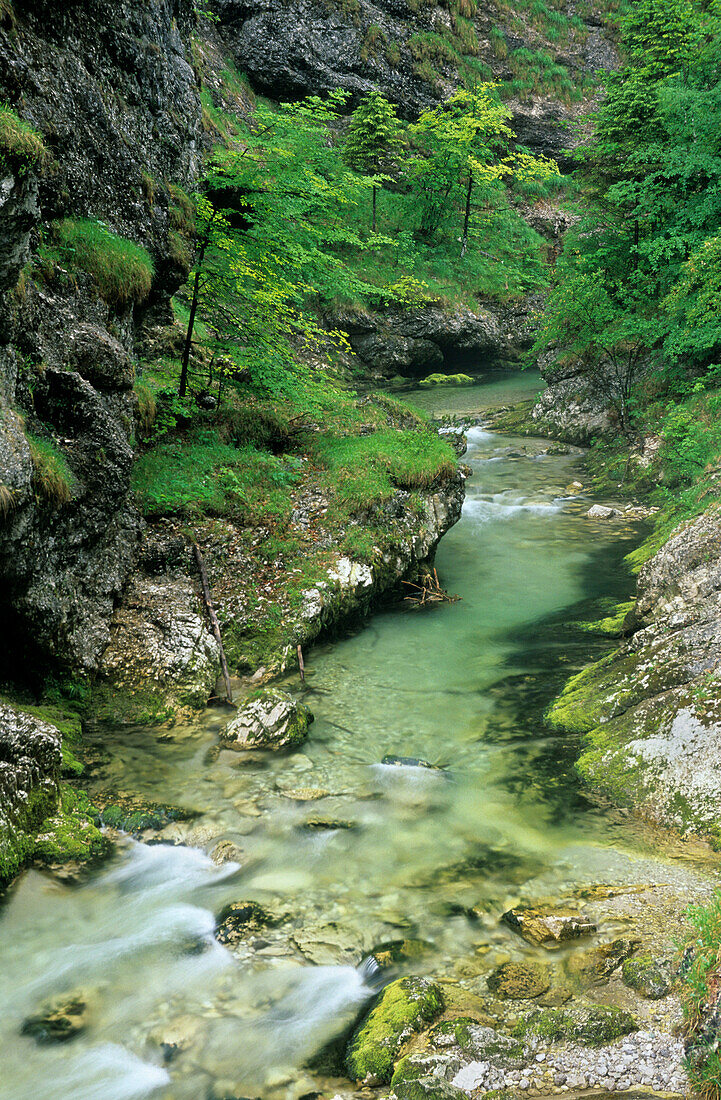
(463, 146)
(374, 140)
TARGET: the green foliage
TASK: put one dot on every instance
(373, 142)
(52, 478)
(21, 146)
(208, 477)
(121, 270)
(701, 978)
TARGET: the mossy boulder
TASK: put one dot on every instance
(134, 814)
(592, 1027)
(71, 835)
(647, 976)
(446, 380)
(428, 1088)
(271, 720)
(404, 1007)
(518, 981)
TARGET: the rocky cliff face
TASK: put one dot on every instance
(110, 89)
(650, 711)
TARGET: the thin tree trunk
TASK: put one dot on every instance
(183, 387)
(467, 216)
(213, 619)
(374, 207)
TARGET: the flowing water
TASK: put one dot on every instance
(384, 853)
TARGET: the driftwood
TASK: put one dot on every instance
(429, 591)
(301, 664)
(213, 619)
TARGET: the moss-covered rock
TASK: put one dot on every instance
(593, 1027)
(427, 1088)
(647, 976)
(598, 963)
(518, 981)
(393, 952)
(405, 1006)
(134, 814)
(71, 834)
(446, 380)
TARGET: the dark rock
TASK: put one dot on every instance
(408, 762)
(59, 1021)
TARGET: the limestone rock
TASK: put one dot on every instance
(541, 927)
(601, 511)
(274, 720)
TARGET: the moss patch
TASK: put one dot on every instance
(595, 1027)
(646, 976)
(71, 833)
(405, 1006)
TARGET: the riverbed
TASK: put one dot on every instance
(344, 852)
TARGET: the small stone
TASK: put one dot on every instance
(601, 511)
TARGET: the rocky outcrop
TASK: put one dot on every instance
(30, 760)
(573, 407)
(162, 657)
(650, 710)
(415, 342)
(274, 721)
(109, 89)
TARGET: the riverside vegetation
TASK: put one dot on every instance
(249, 436)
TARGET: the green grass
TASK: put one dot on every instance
(206, 477)
(701, 982)
(121, 270)
(19, 141)
(367, 470)
(52, 478)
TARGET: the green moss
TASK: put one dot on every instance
(17, 839)
(405, 1005)
(134, 815)
(446, 380)
(595, 1027)
(121, 270)
(599, 692)
(610, 626)
(71, 833)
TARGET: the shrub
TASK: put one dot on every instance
(52, 477)
(19, 141)
(122, 270)
(701, 979)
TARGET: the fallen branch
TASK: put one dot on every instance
(428, 591)
(301, 664)
(213, 619)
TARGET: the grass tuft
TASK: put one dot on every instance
(52, 477)
(700, 999)
(122, 270)
(19, 141)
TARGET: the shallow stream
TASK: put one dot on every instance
(378, 853)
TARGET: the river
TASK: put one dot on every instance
(384, 853)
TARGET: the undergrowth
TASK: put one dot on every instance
(20, 143)
(700, 993)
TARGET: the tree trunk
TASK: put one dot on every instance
(183, 386)
(213, 619)
(467, 216)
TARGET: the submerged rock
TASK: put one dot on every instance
(397, 951)
(598, 963)
(273, 720)
(134, 814)
(404, 1007)
(408, 762)
(59, 1020)
(518, 981)
(540, 927)
(240, 919)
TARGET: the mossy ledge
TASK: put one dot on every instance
(42, 818)
(650, 711)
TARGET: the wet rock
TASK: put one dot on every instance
(59, 1020)
(518, 981)
(404, 1007)
(328, 945)
(539, 927)
(176, 1036)
(226, 851)
(647, 976)
(134, 814)
(601, 511)
(595, 1026)
(399, 951)
(328, 823)
(241, 919)
(408, 762)
(598, 963)
(305, 794)
(273, 720)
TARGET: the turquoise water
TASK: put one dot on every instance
(174, 1015)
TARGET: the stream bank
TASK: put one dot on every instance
(328, 855)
